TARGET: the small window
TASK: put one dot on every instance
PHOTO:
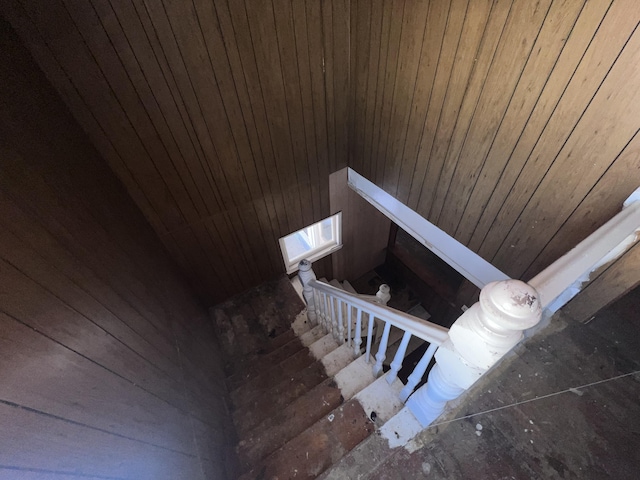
(312, 242)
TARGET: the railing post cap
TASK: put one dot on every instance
(512, 304)
(304, 265)
(384, 288)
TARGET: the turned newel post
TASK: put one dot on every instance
(384, 294)
(477, 340)
(306, 274)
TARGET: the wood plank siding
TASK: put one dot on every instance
(511, 124)
(108, 363)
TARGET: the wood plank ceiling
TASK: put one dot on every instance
(511, 124)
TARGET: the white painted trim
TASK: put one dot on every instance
(564, 278)
(471, 265)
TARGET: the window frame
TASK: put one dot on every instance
(321, 251)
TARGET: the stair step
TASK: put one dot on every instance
(354, 377)
(338, 359)
(269, 402)
(318, 447)
(283, 371)
(347, 287)
(336, 283)
(323, 346)
(313, 335)
(262, 363)
(301, 324)
(278, 429)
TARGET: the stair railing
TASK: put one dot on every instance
(341, 312)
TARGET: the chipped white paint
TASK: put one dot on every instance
(401, 428)
(381, 398)
(336, 360)
(354, 377)
(323, 346)
(477, 340)
(472, 266)
(564, 278)
(310, 337)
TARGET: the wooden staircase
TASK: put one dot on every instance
(300, 400)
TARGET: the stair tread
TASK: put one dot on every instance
(323, 346)
(262, 363)
(312, 336)
(347, 287)
(255, 409)
(315, 449)
(246, 392)
(276, 430)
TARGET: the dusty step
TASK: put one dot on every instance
(260, 364)
(271, 401)
(318, 447)
(276, 430)
(281, 372)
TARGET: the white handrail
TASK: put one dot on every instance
(427, 331)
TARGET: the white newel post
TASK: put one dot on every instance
(477, 340)
(306, 274)
(383, 294)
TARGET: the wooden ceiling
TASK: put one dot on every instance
(511, 124)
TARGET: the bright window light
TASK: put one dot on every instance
(313, 242)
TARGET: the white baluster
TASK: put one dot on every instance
(340, 322)
(323, 310)
(334, 317)
(349, 323)
(477, 340)
(381, 355)
(396, 365)
(306, 273)
(357, 335)
(370, 324)
(418, 372)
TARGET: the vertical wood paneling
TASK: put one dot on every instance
(223, 119)
(108, 361)
(520, 118)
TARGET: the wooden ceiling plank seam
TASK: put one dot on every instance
(374, 47)
(450, 45)
(602, 202)
(395, 37)
(314, 31)
(155, 185)
(511, 55)
(157, 116)
(298, 17)
(238, 21)
(475, 19)
(202, 81)
(175, 63)
(328, 61)
(425, 78)
(213, 197)
(617, 132)
(128, 98)
(353, 45)
(341, 86)
(493, 30)
(360, 86)
(407, 71)
(527, 94)
(546, 107)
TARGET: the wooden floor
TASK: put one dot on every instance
(566, 407)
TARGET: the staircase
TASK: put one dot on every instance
(305, 396)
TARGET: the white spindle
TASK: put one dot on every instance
(334, 317)
(396, 364)
(357, 335)
(349, 323)
(382, 350)
(370, 325)
(418, 372)
(323, 310)
(340, 321)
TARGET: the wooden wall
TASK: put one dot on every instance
(108, 367)
(223, 119)
(511, 124)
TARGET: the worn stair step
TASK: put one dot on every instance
(262, 363)
(236, 365)
(347, 287)
(336, 283)
(318, 447)
(354, 377)
(323, 346)
(276, 430)
(276, 374)
(256, 409)
(313, 335)
(301, 323)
